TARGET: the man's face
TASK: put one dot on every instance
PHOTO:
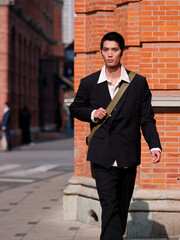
(111, 53)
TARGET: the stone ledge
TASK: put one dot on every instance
(152, 213)
(85, 181)
(154, 194)
(7, 2)
(82, 187)
(165, 100)
(139, 194)
(171, 206)
(157, 200)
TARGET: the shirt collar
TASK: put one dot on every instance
(124, 76)
(6, 109)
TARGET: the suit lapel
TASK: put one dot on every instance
(120, 104)
(104, 97)
(121, 101)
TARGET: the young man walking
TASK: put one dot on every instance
(115, 147)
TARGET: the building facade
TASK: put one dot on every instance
(152, 36)
(30, 33)
(68, 21)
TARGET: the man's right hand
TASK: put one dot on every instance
(3, 128)
(99, 114)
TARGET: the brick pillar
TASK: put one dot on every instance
(152, 37)
(4, 32)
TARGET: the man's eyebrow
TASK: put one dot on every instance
(111, 48)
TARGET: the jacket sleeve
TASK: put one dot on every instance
(80, 108)
(6, 119)
(148, 123)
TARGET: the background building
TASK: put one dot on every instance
(152, 35)
(31, 62)
(68, 40)
(68, 21)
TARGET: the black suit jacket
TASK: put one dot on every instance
(6, 120)
(119, 138)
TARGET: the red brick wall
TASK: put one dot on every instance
(24, 67)
(21, 49)
(152, 35)
(167, 173)
(57, 33)
(40, 11)
(3, 55)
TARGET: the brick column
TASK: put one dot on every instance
(152, 35)
(4, 50)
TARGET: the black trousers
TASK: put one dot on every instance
(115, 187)
(8, 140)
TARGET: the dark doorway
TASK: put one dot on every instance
(49, 82)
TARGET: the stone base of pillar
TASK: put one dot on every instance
(81, 202)
(152, 213)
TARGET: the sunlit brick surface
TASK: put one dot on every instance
(152, 34)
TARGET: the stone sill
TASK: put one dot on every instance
(152, 213)
(7, 2)
(82, 186)
(157, 200)
(159, 101)
(156, 194)
(166, 101)
(139, 194)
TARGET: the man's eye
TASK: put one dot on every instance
(115, 49)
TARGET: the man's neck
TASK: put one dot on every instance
(113, 74)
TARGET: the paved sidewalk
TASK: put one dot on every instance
(35, 211)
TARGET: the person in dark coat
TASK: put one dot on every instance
(5, 125)
(115, 148)
(24, 124)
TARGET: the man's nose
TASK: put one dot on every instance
(109, 53)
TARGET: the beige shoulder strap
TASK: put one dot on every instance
(111, 106)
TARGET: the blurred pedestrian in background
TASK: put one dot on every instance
(24, 124)
(5, 125)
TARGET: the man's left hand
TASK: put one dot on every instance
(156, 156)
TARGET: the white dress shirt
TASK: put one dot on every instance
(113, 89)
(6, 109)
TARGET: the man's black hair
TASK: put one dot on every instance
(7, 104)
(113, 36)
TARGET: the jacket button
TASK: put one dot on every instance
(114, 109)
